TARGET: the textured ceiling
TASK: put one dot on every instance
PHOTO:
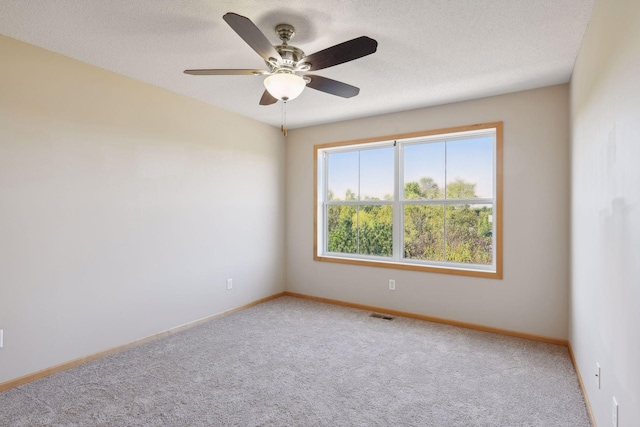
(429, 52)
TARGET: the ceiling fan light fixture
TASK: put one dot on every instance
(284, 86)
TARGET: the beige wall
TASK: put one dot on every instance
(533, 296)
(123, 209)
(605, 114)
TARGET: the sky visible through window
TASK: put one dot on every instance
(369, 173)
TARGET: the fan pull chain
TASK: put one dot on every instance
(283, 126)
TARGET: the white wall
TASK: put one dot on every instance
(123, 209)
(533, 296)
(605, 289)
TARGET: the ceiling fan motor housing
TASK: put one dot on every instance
(291, 55)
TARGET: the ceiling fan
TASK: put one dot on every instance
(286, 63)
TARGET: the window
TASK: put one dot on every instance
(427, 201)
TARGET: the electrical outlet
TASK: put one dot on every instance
(392, 285)
(614, 413)
(229, 284)
(1, 338)
(598, 375)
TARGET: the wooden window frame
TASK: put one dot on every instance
(457, 269)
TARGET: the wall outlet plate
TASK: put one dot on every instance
(598, 375)
(229, 284)
(392, 285)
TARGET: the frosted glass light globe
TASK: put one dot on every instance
(284, 86)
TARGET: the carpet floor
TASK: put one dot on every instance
(294, 362)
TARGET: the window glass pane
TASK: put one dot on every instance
(469, 233)
(375, 230)
(424, 232)
(343, 172)
(424, 170)
(342, 229)
(470, 168)
(376, 174)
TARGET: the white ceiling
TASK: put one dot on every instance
(429, 51)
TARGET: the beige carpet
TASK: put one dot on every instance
(293, 362)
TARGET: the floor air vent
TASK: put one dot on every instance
(381, 316)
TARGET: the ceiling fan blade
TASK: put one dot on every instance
(341, 53)
(226, 72)
(332, 87)
(267, 99)
(252, 36)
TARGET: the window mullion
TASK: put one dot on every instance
(359, 200)
(444, 207)
(398, 223)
